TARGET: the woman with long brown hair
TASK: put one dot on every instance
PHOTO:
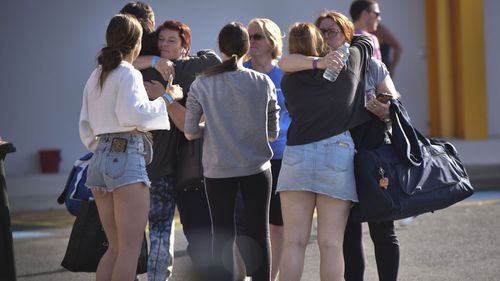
(115, 116)
(318, 162)
(241, 114)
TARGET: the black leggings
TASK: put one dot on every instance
(197, 227)
(386, 246)
(221, 193)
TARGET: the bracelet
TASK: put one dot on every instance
(153, 61)
(168, 98)
(315, 63)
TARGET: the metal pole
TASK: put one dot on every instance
(7, 263)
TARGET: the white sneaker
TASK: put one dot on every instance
(406, 221)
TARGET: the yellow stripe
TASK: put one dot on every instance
(472, 86)
(445, 95)
(456, 68)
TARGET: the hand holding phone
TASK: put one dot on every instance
(384, 97)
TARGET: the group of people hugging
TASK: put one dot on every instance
(278, 146)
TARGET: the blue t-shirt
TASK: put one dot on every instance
(278, 146)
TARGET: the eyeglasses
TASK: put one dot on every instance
(376, 13)
(329, 32)
(257, 37)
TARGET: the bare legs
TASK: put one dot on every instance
(124, 214)
(332, 219)
(297, 208)
(276, 233)
(105, 206)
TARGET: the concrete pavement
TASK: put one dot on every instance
(461, 242)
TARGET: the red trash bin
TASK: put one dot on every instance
(49, 160)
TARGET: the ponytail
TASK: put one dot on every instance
(109, 59)
(228, 65)
(233, 41)
(122, 36)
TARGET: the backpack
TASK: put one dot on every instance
(75, 190)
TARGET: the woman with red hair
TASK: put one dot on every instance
(173, 44)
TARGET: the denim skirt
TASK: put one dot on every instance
(324, 167)
(119, 160)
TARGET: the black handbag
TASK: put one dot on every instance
(189, 168)
(411, 176)
(88, 243)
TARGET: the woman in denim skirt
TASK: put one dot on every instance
(318, 162)
(115, 115)
(367, 135)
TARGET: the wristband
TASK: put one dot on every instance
(315, 63)
(153, 61)
(168, 98)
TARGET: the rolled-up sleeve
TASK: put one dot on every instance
(194, 111)
(273, 112)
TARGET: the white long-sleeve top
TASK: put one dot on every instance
(122, 105)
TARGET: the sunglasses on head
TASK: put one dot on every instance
(256, 36)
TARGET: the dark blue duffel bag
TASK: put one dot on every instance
(410, 176)
(440, 181)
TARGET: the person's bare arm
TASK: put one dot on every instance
(387, 86)
(176, 111)
(381, 110)
(386, 36)
(177, 114)
(143, 62)
(164, 66)
(298, 62)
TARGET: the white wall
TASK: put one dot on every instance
(492, 57)
(406, 19)
(49, 49)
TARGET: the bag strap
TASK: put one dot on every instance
(404, 137)
(62, 197)
(421, 138)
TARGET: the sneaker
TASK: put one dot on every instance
(406, 221)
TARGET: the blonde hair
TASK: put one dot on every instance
(345, 25)
(306, 39)
(272, 32)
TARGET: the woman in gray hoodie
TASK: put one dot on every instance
(240, 118)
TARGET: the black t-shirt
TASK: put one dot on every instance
(165, 142)
(320, 109)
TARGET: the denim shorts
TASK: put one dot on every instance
(325, 167)
(119, 160)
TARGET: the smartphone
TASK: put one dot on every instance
(384, 97)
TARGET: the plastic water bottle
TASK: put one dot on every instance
(331, 74)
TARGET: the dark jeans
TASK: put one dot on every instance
(255, 191)
(386, 246)
(196, 225)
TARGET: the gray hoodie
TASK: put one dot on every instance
(241, 113)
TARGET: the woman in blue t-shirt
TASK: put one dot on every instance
(265, 49)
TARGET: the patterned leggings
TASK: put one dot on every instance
(161, 230)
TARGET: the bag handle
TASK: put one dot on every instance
(425, 141)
